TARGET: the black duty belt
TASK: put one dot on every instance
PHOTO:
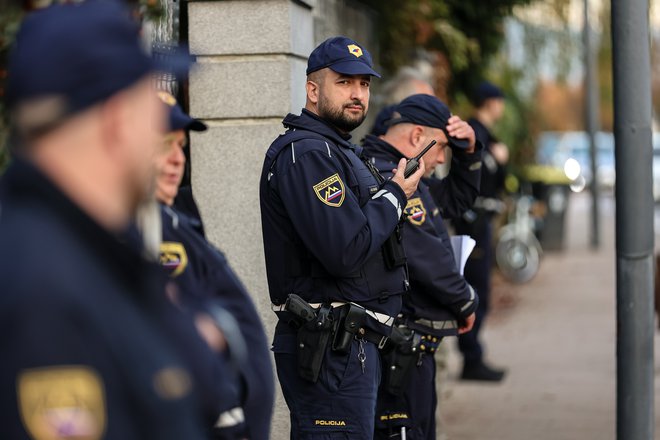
(364, 332)
(437, 325)
(372, 336)
(380, 317)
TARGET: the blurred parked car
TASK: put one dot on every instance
(569, 151)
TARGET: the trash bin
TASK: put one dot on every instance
(551, 188)
(555, 197)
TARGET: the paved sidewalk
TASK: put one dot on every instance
(557, 337)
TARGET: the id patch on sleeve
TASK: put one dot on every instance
(416, 211)
(62, 403)
(173, 257)
(331, 191)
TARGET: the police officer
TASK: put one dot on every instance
(83, 354)
(331, 250)
(209, 289)
(440, 303)
(489, 103)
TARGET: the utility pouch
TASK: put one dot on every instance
(393, 252)
(351, 319)
(399, 359)
(313, 337)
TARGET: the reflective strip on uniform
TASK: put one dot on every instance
(437, 325)
(469, 303)
(230, 418)
(393, 200)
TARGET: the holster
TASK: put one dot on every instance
(399, 359)
(352, 317)
(312, 338)
(393, 251)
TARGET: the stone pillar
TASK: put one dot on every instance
(252, 56)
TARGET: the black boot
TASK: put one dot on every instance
(480, 371)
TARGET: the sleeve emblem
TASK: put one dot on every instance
(62, 402)
(331, 191)
(415, 211)
(173, 258)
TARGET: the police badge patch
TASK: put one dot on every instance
(355, 50)
(173, 257)
(416, 211)
(62, 402)
(330, 191)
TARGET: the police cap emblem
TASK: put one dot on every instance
(355, 50)
(167, 98)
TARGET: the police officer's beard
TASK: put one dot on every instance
(338, 118)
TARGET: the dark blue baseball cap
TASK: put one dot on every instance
(382, 120)
(484, 91)
(342, 55)
(429, 111)
(71, 56)
(178, 119)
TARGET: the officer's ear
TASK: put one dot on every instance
(118, 122)
(313, 85)
(417, 136)
(312, 91)
(113, 116)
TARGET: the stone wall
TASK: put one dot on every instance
(252, 56)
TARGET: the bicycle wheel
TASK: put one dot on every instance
(518, 260)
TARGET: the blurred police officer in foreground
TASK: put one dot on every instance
(83, 355)
(333, 258)
(210, 290)
(440, 303)
(477, 222)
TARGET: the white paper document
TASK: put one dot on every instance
(462, 246)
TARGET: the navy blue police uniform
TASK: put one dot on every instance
(477, 222)
(82, 342)
(325, 220)
(84, 352)
(207, 283)
(439, 297)
(239, 404)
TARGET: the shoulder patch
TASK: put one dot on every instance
(173, 257)
(331, 191)
(416, 211)
(62, 402)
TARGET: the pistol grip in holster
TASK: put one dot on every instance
(352, 317)
(399, 360)
(312, 339)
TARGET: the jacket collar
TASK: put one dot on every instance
(312, 122)
(378, 148)
(120, 253)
